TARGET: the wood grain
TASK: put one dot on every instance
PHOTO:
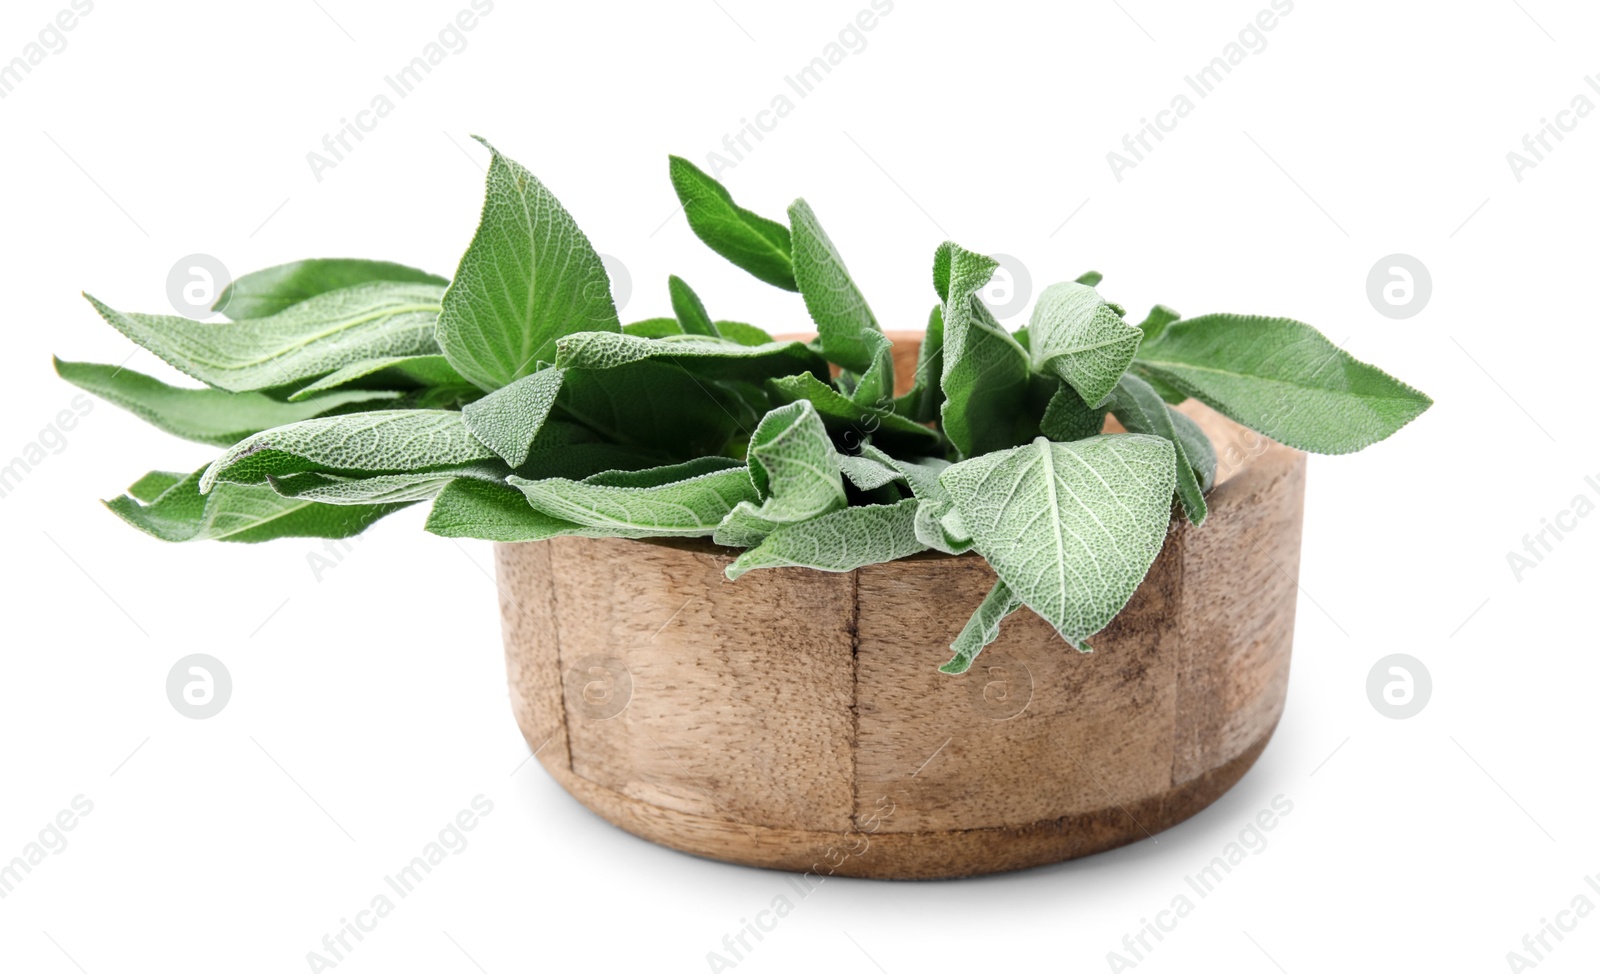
(795, 719)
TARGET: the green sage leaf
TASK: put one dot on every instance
(848, 332)
(308, 339)
(266, 292)
(508, 419)
(982, 628)
(1284, 379)
(689, 310)
(749, 241)
(852, 423)
(231, 512)
(1071, 528)
(842, 541)
(1076, 335)
(1141, 410)
(203, 415)
(381, 442)
(528, 278)
(686, 508)
(986, 374)
(796, 473)
(405, 372)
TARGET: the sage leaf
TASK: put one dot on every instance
(396, 372)
(528, 278)
(468, 508)
(936, 524)
(852, 423)
(689, 310)
(867, 473)
(982, 628)
(308, 339)
(738, 331)
(796, 474)
(1076, 335)
(1071, 528)
(266, 292)
(1284, 379)
(1197, 448)
(656, 406)
(385, 441)
(572, 451)
(395, 488)
(238, 513)
(842, 541)
(1067, 417)
(203, 415)
(154, 484)
(848, 332)
(660, 476)
(1157, 321)
(709, 358)
(752, 242)
(653, 328)
(986, 373)
(508, 419)
(1141, 410)
(686, 508)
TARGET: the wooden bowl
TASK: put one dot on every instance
(795, 719)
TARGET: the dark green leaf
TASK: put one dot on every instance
(689, 310)
(203, 415)
(267, 292)
(755, 243)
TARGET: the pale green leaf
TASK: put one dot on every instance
(1071, 528)
(710, 358)
(738, 331)
(469, 508)
(852, 423)
(1067, 417)
(1157, 321)
(393, 488)
(796, 474)
(982, 628)
(398, 372)
(508, 419)
(386, 441)
(868, 473)
(1283, 378)
(653, 328)
(842, 541)
(306, 340)
(686, 508)
(1076, 335)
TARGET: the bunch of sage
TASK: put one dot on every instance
(513, 401)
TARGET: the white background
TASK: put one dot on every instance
(369, 704)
